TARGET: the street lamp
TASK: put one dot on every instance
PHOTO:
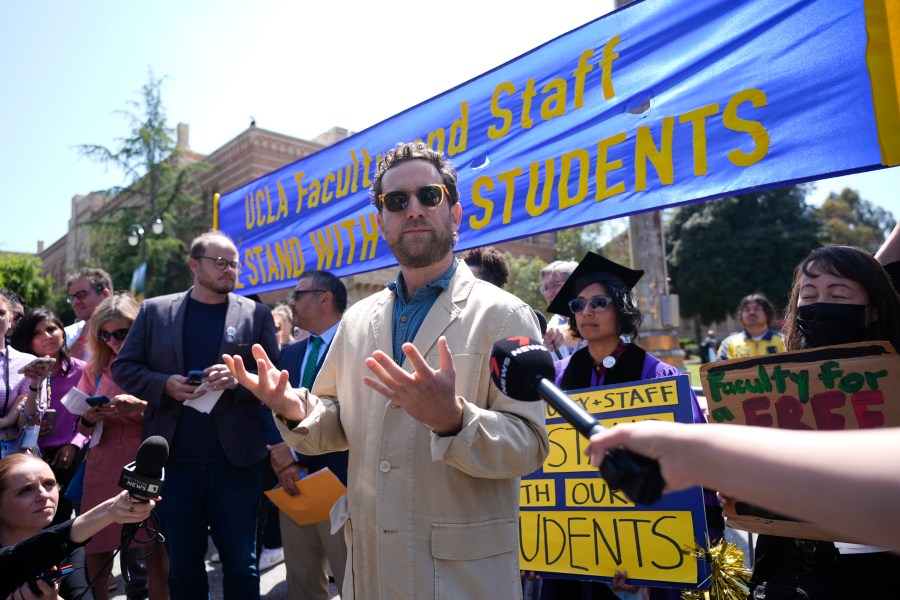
(135, 237)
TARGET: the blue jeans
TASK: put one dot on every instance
(222, 500)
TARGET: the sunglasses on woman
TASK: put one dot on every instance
(119, 334)
(430, 195)
(597, 303)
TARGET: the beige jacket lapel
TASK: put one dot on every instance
(446, 309)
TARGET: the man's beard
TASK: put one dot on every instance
(423, 250)
(219, 286)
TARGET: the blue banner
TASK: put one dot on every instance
(662, 103)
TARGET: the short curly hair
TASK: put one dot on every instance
(403, 152)
(492, 262)
(98, 278)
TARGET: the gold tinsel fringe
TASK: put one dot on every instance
(729, 578)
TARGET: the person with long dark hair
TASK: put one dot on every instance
(60, 444)
(840, 295)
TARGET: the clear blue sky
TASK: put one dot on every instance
(299, 67)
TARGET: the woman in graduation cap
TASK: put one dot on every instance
(599, 302)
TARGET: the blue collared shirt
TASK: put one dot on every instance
(409, 316)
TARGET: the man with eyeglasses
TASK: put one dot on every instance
(317, 304)
(214, 431)
(436, 450)
(87, 289)
(558, 339)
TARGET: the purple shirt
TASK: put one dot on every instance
(653, 369)
(64, 431)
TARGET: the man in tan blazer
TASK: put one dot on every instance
(436, 451)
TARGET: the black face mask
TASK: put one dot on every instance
(826, 324)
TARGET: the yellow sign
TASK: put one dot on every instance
(574, 525)
(651, 544)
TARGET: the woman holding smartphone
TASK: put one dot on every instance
(116, 428)
(41, 333)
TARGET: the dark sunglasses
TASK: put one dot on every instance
(597, 303)
(297, 294)
(119, 334)
(429, 195)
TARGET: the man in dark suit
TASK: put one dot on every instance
(216, 446)
(317, 303)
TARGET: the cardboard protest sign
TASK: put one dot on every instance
(573, 526)
(851, 386)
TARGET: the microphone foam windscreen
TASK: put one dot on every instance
(517, 363)
(152, 456)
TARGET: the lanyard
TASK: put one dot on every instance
(6, 380)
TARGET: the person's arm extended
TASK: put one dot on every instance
(890, 249)
(847, 481)
(118, 509)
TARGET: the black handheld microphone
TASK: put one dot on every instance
(523, 369)
(144, 477)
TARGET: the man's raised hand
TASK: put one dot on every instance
(269, 384)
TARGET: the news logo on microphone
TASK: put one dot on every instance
(144, 477)
(515, 362)
(139, 484)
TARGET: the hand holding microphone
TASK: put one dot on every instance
(523, 370)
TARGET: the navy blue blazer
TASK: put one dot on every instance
(291, 360)
(154, 350)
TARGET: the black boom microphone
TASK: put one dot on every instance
(144, 478)
(523, 369)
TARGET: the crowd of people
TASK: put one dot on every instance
(393, 395)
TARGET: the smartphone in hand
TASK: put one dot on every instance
(195, 377)
(48, 422)
(51, 577)
(96, 401)
(40, 362)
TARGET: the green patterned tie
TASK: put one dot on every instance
(312, 361)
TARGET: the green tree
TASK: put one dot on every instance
(525, 279)
(160, 182)
(849, 220)
(22, 274)
(574, 243)
(722, 250)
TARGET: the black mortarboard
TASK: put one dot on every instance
(593, 268)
